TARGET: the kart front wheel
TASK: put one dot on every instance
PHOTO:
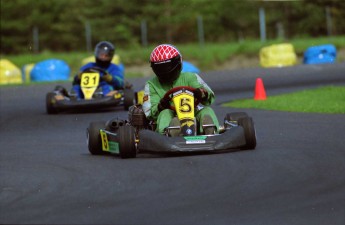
(249, 132)
(50, 100)
(233, 118)
(129, 97)
(126, 135)
(61, 90)
(93, 136)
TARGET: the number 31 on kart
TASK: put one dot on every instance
(89, 83)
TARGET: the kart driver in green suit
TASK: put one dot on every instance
(166, 63)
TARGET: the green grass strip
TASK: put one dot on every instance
(328, 99)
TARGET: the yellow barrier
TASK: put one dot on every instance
(278, 55)
(26, 71)
(9, 73)
(116, 60)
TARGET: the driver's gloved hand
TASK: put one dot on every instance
(201, 94)
(107, 78)
(163, 104)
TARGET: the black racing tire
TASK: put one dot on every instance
(249, 132)
(129, 98)
(234, 116)
(93, 137)
(126, 138)
(50, 100)
(61, 90)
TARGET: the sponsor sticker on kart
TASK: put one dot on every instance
(104, 138)
(195, 139)
(114, 147)
(88, 84)
(108, 146)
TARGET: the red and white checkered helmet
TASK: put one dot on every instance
(166, 62)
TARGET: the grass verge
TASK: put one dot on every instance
(327, 99)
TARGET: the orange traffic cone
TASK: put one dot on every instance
(260, 93)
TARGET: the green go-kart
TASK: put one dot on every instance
(130, 137)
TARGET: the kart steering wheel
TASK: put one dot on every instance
(97, 70)
(94, 69)
(168, 94)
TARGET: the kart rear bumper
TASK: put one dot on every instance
(151, 141)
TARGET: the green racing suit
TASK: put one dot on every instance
(154, 91)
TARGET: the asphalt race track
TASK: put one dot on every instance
(295, 175)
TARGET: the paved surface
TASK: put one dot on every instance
(295, 175)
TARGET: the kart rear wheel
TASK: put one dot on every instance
(126, 135)
(93, 136)
(50, 99)
(249, 132)
(129, 97)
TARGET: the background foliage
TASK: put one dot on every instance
(61, 24)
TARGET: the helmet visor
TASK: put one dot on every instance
(104, 54)
(167, 66)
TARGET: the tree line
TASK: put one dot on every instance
(72, 25)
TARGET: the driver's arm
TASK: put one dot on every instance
(196, 81)
(150, 102)
(117, 76)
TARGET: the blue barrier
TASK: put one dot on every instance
(50, 70)
(320, 54)
(189, 67)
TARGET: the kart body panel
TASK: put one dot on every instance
(151, 141)
(95, 103)
(89, 83)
